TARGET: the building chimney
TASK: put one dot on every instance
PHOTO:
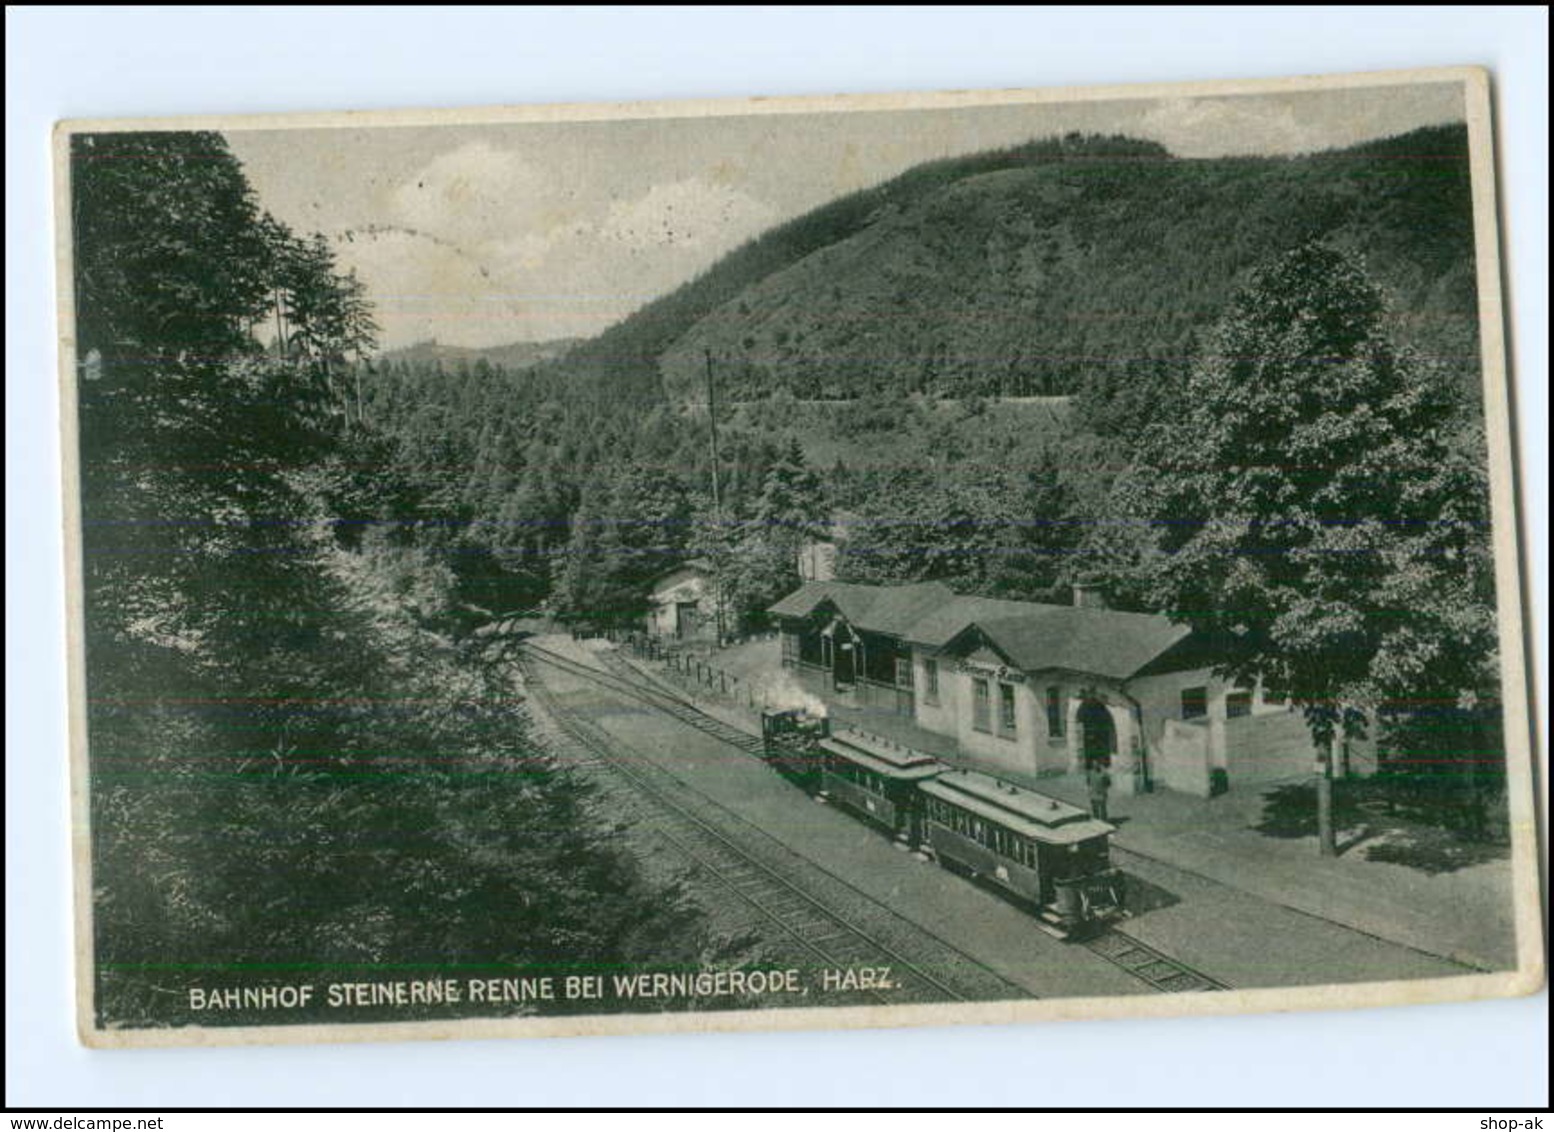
(1089, 595)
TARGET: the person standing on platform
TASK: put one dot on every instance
(1100, 783)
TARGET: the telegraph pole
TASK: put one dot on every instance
(717, 492)
(712, 415)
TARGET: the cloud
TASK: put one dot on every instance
(423, 286)
(484, 249)
(1208, 127)
(691, 214)
(469, 193)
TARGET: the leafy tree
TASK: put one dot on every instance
(170, 258)
(997, 530)
(1035, 529)
(755, 559)
(1313, 517)
(792, 501)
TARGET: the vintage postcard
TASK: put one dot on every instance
(810, 562)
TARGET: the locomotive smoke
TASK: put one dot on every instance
(784, 694)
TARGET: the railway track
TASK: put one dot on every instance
(1155, 968)
(633, 684)
(703, 832)
(1159, 970)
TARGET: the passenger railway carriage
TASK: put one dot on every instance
(1045, 852)
(1049, 855)
(877, 780)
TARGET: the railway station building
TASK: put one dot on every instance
(1031, 690)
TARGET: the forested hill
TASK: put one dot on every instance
(1023, 271)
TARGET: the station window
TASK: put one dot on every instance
(981, 708)
(1055, 712)
(930, 681)
(1238, 703)
(903, 672)
(1195, 702)
(1006, 715)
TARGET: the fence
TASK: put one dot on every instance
(699, 676)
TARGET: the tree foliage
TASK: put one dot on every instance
(1313, 511)
(1000, 531)
(293, 766)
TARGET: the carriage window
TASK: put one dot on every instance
(1238, 704)
(1006, 717)
(980, 710)
(930, 681)
(1195, 703)
(1055, 712)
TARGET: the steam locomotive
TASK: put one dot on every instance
(1047, 855)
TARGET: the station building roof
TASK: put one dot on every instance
(1033, 635)
(890, 610)
(1106, 642)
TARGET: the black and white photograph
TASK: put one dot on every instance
(867, 560)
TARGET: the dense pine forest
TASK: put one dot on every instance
(298, 768)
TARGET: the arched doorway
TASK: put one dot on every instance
(1097, 734)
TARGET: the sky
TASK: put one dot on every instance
(482, 235)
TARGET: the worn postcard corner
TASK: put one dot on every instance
(858, 561)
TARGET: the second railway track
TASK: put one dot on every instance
(1161, 972)
(732, 853)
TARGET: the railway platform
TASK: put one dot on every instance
(1461, 915)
